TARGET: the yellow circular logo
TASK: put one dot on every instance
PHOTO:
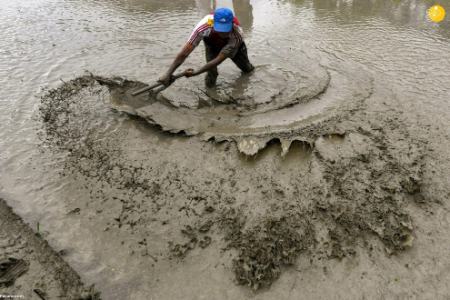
(436, 13)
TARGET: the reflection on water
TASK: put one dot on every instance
(244, 11)
(400, 12)
(154, 5)
(204, 6)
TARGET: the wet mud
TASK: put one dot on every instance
(324, 174)
(359, 171)
(30, 268)
(266, 248)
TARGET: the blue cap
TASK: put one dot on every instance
(223, 19)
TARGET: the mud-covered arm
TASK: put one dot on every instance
(210, 65)
(178, 61)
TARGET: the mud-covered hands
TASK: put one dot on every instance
(166, 79)
(189, 73)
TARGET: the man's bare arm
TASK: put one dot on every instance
(179, 60)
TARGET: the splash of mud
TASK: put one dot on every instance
(256, 117)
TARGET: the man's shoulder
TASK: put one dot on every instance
(201, 30)
(208, 19)
(238, 30)
(205, 23)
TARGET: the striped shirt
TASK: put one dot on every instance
(204, 31)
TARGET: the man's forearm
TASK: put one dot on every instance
(179, 60)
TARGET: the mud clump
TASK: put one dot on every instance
(59, 111)
(11, 269)
(366, 190)
(267, 248)
(196, 236)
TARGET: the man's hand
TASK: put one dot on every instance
(166, 79)
(189, 72)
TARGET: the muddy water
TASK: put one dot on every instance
(117, 238)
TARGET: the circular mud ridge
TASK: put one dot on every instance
(267, 88)
(252, 109)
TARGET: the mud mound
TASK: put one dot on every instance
(267, 247)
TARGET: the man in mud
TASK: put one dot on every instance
(223, 39)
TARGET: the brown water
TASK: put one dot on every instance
(45, 42)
